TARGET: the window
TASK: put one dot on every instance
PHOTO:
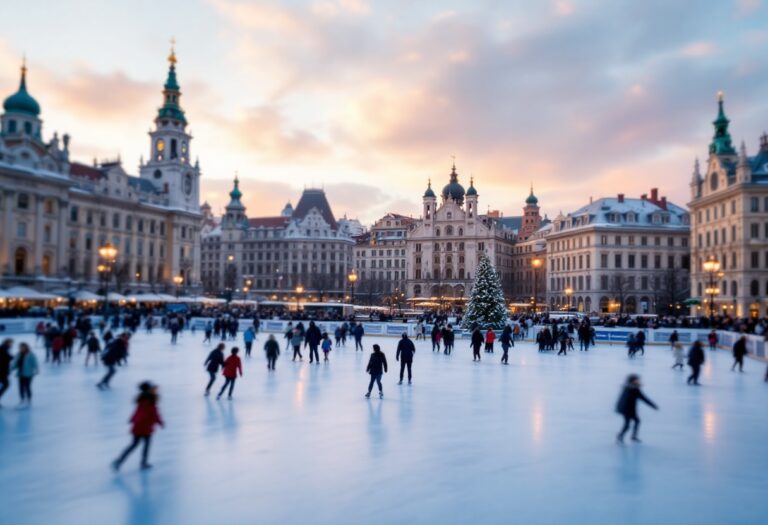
(73, 212)
(22, 201)
(603, 240)
(618, 240)
(754, 260)
(116, 221)
(754, 287)
(617, 260)
(21, 230)
(754, 205)
(754, 230)
(631, 260)
(657, 261)
(603, 260)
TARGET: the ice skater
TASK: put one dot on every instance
(476, 342)
(627, 406)
(25, 364)
(358, 332)
(208, 331)
(232, 365)
(144, 419)
(739, 351)
(296, 340)
(326, 345)
(490, 337)
(115, 352)
(212, 364)
(312, 337)
(695, 360)
(94, 347)
(248, 337)
(405, 351)
(272, 349)
(5, 365)
(679, 355)
(506, 340)
(377, 366)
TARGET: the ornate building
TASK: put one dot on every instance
(271, 256)
(729, 217)
(57, 213)
(619, 255)
(444, 246)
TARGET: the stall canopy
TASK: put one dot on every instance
(22, 292)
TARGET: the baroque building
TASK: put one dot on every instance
(729, 225)
(56, 213)
(305, 251)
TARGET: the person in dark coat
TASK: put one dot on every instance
(144, 419)
(627, 406)
(358, 332)
(506, 340)
(232, 365)
(313, 338)
(476, 342)
(377, 366)
(212, 364)
(695, 360)
(436, 335)
(739, 351)
(115, 352)
(405, 351)
(94, 347)
(5, 365)
(272, 349)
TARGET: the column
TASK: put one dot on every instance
(6, 254)
(38, 255)
(62, 240)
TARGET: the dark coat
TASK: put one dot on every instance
(627, 404)
(5, 364)
(116, 351)
(696, 356)
(215, 361)
(377, 364)
(477, 338)
(405, 349)
(740, 349)
(313, 335)
(272, 348)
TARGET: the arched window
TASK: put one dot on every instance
(174, 152)
(461, 273)
(22, 201)
(20, 261)
(461, 232)
(448, 215)
(461, 245)
(12, 126)
(49, 206)
(449, 247)
(158, 174)
(437, 232)
(734, 289)
(417, 290)
(437, 247)
(448, 273)
(28, 128)
(449, 229)
(713, 182)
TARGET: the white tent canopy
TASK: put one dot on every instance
(22, 292)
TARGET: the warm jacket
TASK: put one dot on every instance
(627, 404)
(696, 356)
(359, 331)
(405, 349)
(249, 336)
(313, 335)
(272, 348)
(115, 351)
(215, 361)
(93, 344)
(327, 345)
(506, 338)
(740, 348)
(25, 364)
(5, 364)
(297, 338)
(377, 364)
(477, 338)
(490, 336)
(232, 366)
(146, 416)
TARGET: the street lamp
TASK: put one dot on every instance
(568, 292)
(108, 253)
(352, 278)
(712, 267)
(299, 291)
(536, 263)
(178, 279)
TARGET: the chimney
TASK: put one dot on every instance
(644, 196)
(621, 197)
(663, 203)
(654, 194)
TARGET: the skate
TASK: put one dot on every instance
(381, 395)
(368, 395)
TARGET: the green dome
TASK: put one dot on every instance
(21, 101)
(471, 191)
(532, 200)
(235, 194)
(453, 190)
(429, 193)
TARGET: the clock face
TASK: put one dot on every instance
(188, 184)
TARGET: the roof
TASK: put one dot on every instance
(143, 185)
(513, 223)
(22, 101)
(77, 169)
(314, 198)
(268, 222)
(598, 212)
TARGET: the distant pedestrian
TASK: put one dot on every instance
(674, 338)
(627, 406)
(476, 342)
(208, 331)
(405, 351)
(358, 333)
(113, 354)
(326, 345)
(248, 337)
(712, 339)
(377, 366)
(144, 420)
(272, 349)
(695, 361)
(490, 337)
(296, 340)
(94, 347)
(436, 335)
(5, 365)
(25, 364)
(232, 365)
(739, 351)
(212, 364)
(312, 337)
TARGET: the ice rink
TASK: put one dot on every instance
(529, 443)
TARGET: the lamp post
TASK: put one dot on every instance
(178, 280)
(711, 266)
(352, 278)
(299, 291)
(568, 292)
(108, 253)
(536, 263)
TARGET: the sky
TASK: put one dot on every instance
(370, 100)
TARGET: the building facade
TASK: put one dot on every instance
(729, 224)
(620, 255)
(444, 246)
(56, 213)
(303, 252)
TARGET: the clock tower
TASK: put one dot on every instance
(169, 166)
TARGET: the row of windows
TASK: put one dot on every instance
(398, 263)
(380, 253)
(725, 290)
(632, 240)
(715, 212)
(118, 222)
(644, 261)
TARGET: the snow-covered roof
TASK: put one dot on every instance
(613, 212)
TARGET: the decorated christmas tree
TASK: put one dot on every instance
(486, 306)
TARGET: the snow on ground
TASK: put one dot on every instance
(530, 443)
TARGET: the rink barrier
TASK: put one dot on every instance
(618, 335)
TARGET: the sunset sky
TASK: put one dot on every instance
(371, 99)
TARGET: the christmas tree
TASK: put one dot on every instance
(486, 306)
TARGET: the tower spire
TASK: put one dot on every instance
(721, 141)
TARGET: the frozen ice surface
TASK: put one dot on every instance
(532, 442)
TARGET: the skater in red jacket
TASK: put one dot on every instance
(144, 419)
(232, 366)
(490, 337)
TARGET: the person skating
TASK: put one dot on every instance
(326, 345)
(358, 332)
(712, 339)
(739, 351)
(143, 421)
(296, 340)
(93, 349)
(272, 349)
(312, 338)
(5, 365)
(377, 366)
(232, 365)
(476, 342)
(208, 331)
(507, 340)
(679, 355)
(448, 339)
(25, 364)
(695, 360)
(405, 351)
(248, 337)
(490, 337)
(674, 338)
(627, 406)
(212, 364)
(435, 335)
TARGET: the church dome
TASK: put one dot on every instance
(22, 101)
(471, 191)
(453, 190)
(532, 200)
(429, 193)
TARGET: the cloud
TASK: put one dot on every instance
(748, 7)
(563, 8)
(699, 49)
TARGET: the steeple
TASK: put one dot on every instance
(235, 194)
(721, 141)
(532, 200)
(471, 191)
(22, 101)
(429, 194)
(171, 108)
